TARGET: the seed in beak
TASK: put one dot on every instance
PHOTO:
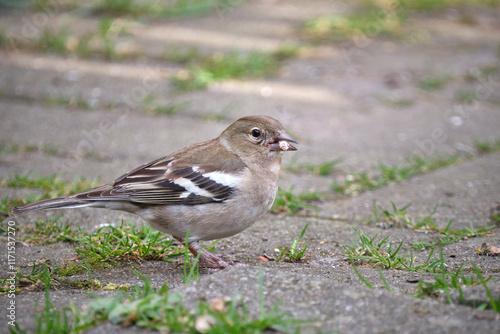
(284, 145)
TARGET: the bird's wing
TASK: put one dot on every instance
(169, 181)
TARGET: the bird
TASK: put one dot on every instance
(206, 191)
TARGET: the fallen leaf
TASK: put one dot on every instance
(266, 257)
(488, 250)
(494, 250)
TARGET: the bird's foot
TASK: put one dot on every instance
(205, 258)
(211, 261)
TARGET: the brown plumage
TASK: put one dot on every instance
(212, 189)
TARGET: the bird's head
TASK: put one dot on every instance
(252, 135)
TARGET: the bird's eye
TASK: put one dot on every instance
(256, 133)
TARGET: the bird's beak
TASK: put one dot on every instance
(281, 142)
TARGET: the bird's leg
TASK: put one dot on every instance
(206, 258)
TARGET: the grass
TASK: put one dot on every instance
(6, 206)
(111, 243)
(181, 56)
(140, 9)
(440, 283)
(478, 74)
(399, 218)
(150, 105)
(110, 246)
(49, 40)
(81, 266)
(48, 149)
(355, 182)
(105, 248)
(197, 7)
(385, 254)
(285, 51)
(39, 273)
(368, 284)
(12, 148)
(466, 96)
(8, 148)
(294, 253)
(494, 304)
(100, 41)
(76, 101)
(433, 5)
(161, 310)
(170, 109)
(445, 283)
(494, 213)
(152, 9)
(325, 168)
(200, 70)
(48, 231)
(449, 236)
(45, 276)
(108, 36)
(485, 147)
(49, 320)
(371, 23)
(190, 270)
(376, 18)
(431, 82)
(361, 277)
(400, 103)
(220, 66)
(56, 275)
(287, 203)
(50, 186)
(52, 41)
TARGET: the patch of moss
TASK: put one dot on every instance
(76, 267)
(83, 285)
(48, 231)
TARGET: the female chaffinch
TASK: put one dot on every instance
(212, 189)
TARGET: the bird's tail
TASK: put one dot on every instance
(66, 202)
